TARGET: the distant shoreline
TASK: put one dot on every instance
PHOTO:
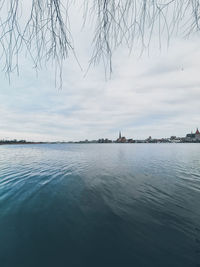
(190, 138)
(81, 143)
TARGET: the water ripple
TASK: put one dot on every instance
(112, 205)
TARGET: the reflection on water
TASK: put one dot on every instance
(100, 205)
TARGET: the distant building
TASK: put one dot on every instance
(121, 139)
(190, 137)
(104, 141)
(193, 137)
(148, 140)
(197, 135)
(130, 141)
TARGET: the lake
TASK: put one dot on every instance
(100, 205)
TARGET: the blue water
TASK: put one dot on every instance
(100, 205)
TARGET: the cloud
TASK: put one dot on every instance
(156, 94)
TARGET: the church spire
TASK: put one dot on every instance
(120, 136)
(197, 131)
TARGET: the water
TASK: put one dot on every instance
(100, 205)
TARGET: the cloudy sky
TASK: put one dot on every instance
(156, 94)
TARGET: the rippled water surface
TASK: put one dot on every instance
(100, 205)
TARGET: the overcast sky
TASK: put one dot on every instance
(156, 94)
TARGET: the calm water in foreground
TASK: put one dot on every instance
(103, 205)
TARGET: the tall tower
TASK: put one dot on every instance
(120, 136)
(197, 135)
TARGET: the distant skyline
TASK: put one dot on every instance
(155, 94)
(120, 135)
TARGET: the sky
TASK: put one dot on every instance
(154, 94)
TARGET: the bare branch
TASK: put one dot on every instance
(43, 30)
